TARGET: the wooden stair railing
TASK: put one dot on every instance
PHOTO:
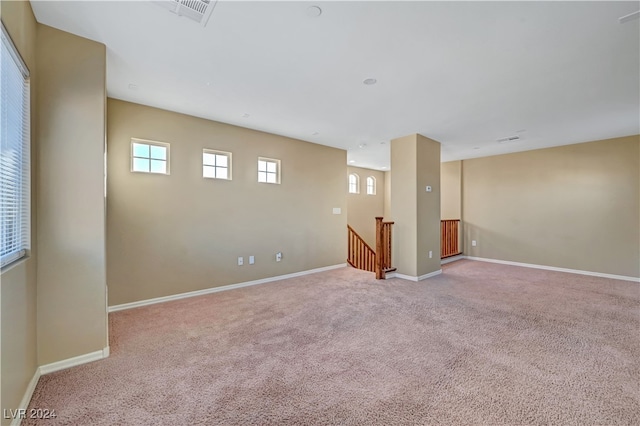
(383, 248)
(449, 238)
(359, 254)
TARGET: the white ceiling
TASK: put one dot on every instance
(464, 74)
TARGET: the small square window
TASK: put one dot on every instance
(216, 164)
(149, 157)
(268, 170)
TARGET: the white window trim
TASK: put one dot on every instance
(229, 156)
(357, 191)
(153, 143)
(23, 242)
(278, 169)
(373, 179)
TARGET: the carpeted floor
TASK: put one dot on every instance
(480, 344)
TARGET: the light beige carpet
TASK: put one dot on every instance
(479, 344)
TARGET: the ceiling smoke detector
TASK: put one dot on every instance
(509, 139)
(197, 10)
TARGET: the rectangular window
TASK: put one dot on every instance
(149, 156)
(15, 163)
(216, 164)
(268, 170)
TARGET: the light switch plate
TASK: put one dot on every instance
(337, 210)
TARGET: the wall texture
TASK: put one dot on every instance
(573, 207)
(18, 345)
(451, 190)
(363, 208)
(72, 318)
(169, 234)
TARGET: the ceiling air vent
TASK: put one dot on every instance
(509, 139)
(197, 10)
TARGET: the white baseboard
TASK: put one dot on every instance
(416, 279)
(451, 259)
(50, 368)
(26, 399)
(553, 268)
(75, 361)
(179, 296)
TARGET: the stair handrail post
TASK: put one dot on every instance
(379, 249)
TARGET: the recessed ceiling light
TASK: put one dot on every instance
(314, 11)
(370, 81)
(208, 83)
(133, 86)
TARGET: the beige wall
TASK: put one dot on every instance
(363, 208)
(428, 205)
(415, 162)
(71, 209)
(18, 342)
(179, 233)
(573, 207)
(387, 195)
(403, 204)
(450, 190)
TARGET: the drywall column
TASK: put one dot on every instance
(415, 163)
(71, 288)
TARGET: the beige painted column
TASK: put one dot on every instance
(71, 270)
(415, 164)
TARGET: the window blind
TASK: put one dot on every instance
(14, 154)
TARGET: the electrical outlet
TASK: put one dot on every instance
(252, 260)
(240, 260)
(278, 257)
(474, 243)
(430, 254)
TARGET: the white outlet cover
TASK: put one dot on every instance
(474, 243)
(240, 261)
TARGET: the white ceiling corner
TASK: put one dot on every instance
(463, 73)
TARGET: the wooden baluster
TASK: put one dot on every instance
(378, 268)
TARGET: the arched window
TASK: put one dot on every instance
(354, 184)
(371, 185)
